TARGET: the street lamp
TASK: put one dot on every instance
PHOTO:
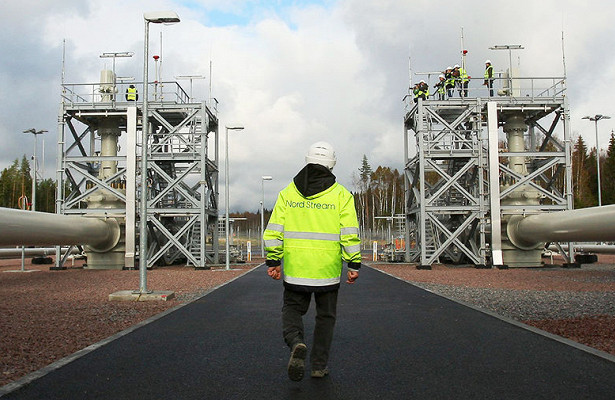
(264, 178)
(226, 190)
(35, 133)
(156, 17)
(597, 118)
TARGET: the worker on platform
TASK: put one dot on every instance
(131, 93)
(313, 229)
(424, 89)
(416, 91)
(462, 80)
(450, 81)
(420, 91)
(489, 77)
(440, 87)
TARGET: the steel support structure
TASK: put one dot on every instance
(453, 185)
(445, 182)
(182, 169)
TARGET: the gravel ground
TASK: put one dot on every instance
(578, 304)
(48, 315)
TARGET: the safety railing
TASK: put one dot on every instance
(97, 94)
(512, 89)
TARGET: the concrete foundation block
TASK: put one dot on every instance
(130, 295)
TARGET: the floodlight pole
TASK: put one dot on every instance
(34, 173)
(597, 118)
(157, 18)
(263, 179)
(226, 195)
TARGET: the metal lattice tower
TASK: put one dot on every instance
(466, 181)
(96, 179)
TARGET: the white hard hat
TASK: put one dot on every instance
(487, 61)
(441, 76)
(422, 81)
(457, 66)
(449, 67)
(321, 153)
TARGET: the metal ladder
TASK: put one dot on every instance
(194, 245)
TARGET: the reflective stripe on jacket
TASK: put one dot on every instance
(489, 72)
(463, 75)
(313, 235)
(131, 94)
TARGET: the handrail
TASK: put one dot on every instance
(526, 88)
(105, 93)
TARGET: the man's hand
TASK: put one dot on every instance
(352, 276)
(274, 272)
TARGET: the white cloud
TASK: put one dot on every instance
(294, 73)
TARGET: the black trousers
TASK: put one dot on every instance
(295, 306)
(489, 83)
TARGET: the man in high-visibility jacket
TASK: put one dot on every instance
(441, 87)
(131, 93)
(313, 229)
(462, 80)
(450, 81)
(489, 77)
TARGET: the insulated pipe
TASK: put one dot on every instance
(45, 229)
(583, 225)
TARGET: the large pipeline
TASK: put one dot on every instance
(27, 228)
(582, 225)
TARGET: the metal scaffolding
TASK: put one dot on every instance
(463, 182)
(96, 179)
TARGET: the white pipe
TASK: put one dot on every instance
(32, 251)
(590, 248)
(44, 229)
(583, 225)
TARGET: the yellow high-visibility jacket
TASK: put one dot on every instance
(131, 94)
(313, 232)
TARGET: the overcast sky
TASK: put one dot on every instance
(295, 72)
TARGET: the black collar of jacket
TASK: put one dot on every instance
(313, 179)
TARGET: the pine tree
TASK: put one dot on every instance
(608, 175)
(580, 175)
(365, 171)
(592, 178)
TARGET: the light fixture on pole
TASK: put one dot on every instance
(234, 127)
(597, 118)
(157, 17)
(263, 179)
(34, 170)
(191, 78)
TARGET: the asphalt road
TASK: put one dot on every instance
(392, 341)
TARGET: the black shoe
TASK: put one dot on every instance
(296, 364)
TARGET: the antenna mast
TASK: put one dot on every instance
(563, 56)
(463, 51)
